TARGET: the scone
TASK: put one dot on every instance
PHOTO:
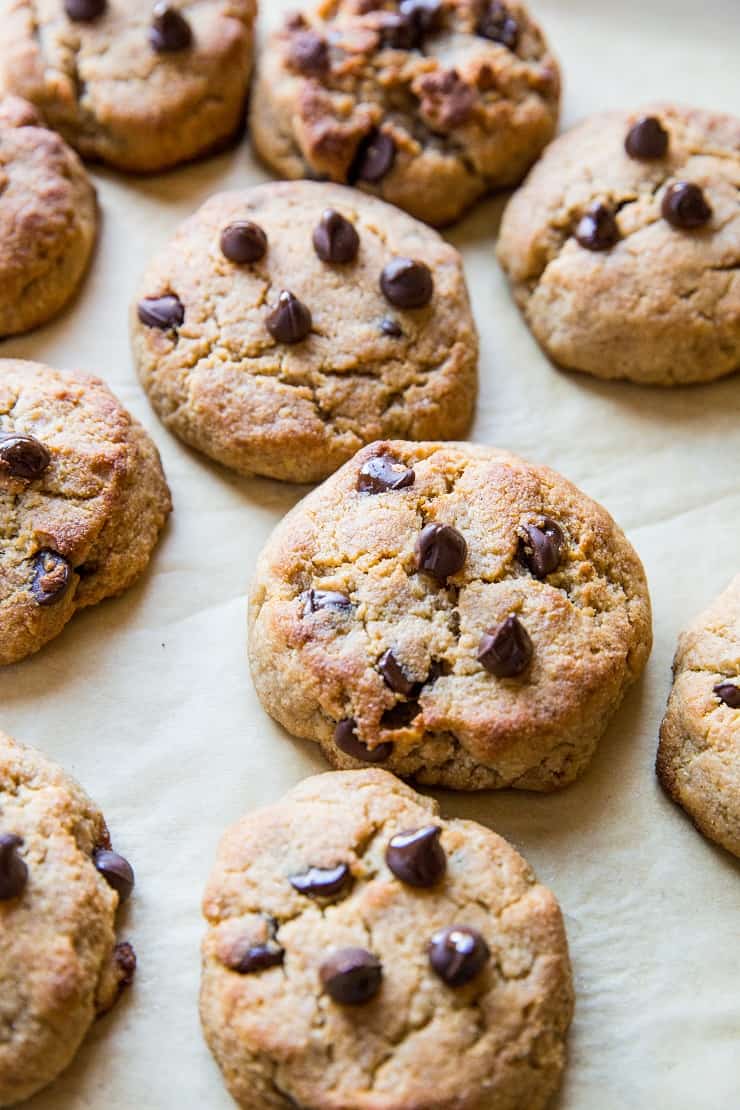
(364, 954)
(48, 219)
(623, 246)
(427, 103)
(699, 753)
(285, 326)
(82, 501)
(451, 612)
(60, 887)
(140, 85)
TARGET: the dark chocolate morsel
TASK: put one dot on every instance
(116, 871)
(243, 241)
(13, 869)
(335, 239)
(506, 651)
(84, 11)
(314, 600)
(170, 30)
(400, 715)
(309, 53)
(406, 283)
(322, 882)
(351, 976)
(391, 327)
(647, 139)
(52, 576)
(541, 551)
(394, 675)
(685, 206)
(161, 312)
(257, 957)
(457, 954)
(498, 25)
(290, 321)
(347, 740)
(440, 551)
(23, 456)
(384, 472)
(125, 959)
(416, 856)
(597, 230)
(728, 693)
(374, 158)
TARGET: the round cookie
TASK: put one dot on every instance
(451, 612)
(361, 952)
(48, 219)
(60, 888)
(623, 246)
(428, 103)
(285, 326)
(699, 754)
(140, 85)
(82, 501)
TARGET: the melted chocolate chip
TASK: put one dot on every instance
(457, 954)
(335, 239)
(116, 871)
(23, 457)
(257, 957)
(597, 230)
(170, 30)
(309, 53)
(374, 158)
(290, 321)
(506, 651)
(125, 958)
(351, 976)
(407, 284)
(401, 715)
(243, 242)
(391, 327)
(440, 551)
(498, 25)
(322, 882)
(416, 856)
(728, 693)
(85, 11)
(314, 600)
(384, 472)
(542, 549)
(347, 740)
(647, 139)
(685, 206)
(13, 869)
(394, 675)
(52, 576)
(161, 312)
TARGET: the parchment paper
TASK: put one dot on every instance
(148, 700)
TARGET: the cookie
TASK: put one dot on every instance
(452, 612)
(623, 246)
(286, 326)
(82, 501)
(362, 952)
(48, 219)
(427, 103)
(60, 887)
(699, 754)
(139, 85)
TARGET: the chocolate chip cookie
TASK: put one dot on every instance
(428, 103)
(451, 612)
(82, 501)
(141, 85)
(623, 246)
(60, 886)
(362, 952)
(286, 326)
(48, 219)
(699, 753)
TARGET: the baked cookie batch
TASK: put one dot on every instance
(434, 610)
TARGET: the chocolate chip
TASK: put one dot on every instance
(335, 239)
(23, 457)
(391, 327)
(541, 551)
(399, 32)
(351, 976)
(314, 600)
(290, 321)
(685, 206)
(243, 242)
(116, 871)
(257, 957)
(170, 30)
(416, 856)
(401, 715)
(498, 25)
(416, 20)
(13, 869)
(506, 651)
(309, 53)
(52, 576)
(322, 882)
(383, 473)
(647, 139)
(161, 312)
(457, 954)
(84, 11)
(597, 230)
(125, 958)
(374, 158)
(728, 693)
(407, 284)
(394, 675)
(347, 740)
(440, 551)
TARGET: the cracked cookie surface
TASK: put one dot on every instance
(261, 402)
(653, 302)
(101, 83)
(496, 1042)
(429, 108)
(48, 219)
(699, 754)
(60, 965)
(499, 665)
(82, 501)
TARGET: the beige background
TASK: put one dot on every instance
(148, 699)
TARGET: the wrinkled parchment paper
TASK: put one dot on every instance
(148, 701)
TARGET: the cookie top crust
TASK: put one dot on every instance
(287, 325)
(430, 105)
(452, 612)
(139, 85)
(82, 500)
(623, 246)
(314, 1028)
